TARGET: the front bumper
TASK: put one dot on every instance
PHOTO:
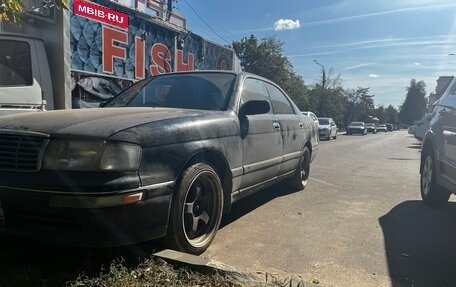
(356, 131)
(72, 219)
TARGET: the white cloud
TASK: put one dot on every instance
(358, 66)
(286, 24)
(373, 75)
(417, 64)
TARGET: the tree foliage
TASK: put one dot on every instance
(414, 106)
(264, 57)
(10, 10)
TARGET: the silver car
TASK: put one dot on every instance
(438, 152)
(327, 128)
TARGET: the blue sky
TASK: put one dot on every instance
(376, 43)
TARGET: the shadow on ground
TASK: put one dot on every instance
(29, 263)
(415, 146)
(252, 202)
(420, 244)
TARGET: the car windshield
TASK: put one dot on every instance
(323, 121)
(370, 125)
(356, 124)
(203, 91)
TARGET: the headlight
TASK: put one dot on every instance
(120, 157)
(91, 156)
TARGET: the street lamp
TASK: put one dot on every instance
(324, 74)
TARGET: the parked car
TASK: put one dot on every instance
(381, 128)
(327, 128)
(438, 152)
(389, 127)
(314, 118)
(421, 126)
(311, 115)
(357, 128)
(411, 130)
(371, 128)
(150, 165)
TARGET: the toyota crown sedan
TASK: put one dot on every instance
(163, 159)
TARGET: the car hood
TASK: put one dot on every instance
(323, 126)
(356, 127)
(99, 123)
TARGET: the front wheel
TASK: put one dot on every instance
(299, 180)
(431, 193)
(196, 210)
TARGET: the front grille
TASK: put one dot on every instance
(21, 152)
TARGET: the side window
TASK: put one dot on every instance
(15, 64)
(280, 103)
(254, 90)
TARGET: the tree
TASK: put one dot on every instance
(328, 100)
(414, 106)
(391, 114)
(264, 57)
(10, 9)
(359, 105)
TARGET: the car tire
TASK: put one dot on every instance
(299, 180)
(431, 193)
(335, 136)
(196, 210)
(329, 137)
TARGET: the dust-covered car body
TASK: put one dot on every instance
(438, 151)
(138, 169)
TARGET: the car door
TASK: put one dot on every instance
(292, 128)
(333, 128)
(447, 124)
(261, 136)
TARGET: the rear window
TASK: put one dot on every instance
(15, 64)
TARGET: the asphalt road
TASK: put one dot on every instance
(359, 222)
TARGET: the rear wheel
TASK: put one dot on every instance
(301, 175)
(196, 210)
(431, 193)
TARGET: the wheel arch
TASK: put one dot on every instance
(219, 163)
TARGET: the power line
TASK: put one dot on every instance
(197, 14)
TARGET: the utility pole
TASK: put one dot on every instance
(324, 73)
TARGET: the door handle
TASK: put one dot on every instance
(276, 126)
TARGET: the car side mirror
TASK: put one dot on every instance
(255, 107)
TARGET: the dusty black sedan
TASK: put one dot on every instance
(165, 158)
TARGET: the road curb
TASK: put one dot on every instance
(205, 266)
(209, 266)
